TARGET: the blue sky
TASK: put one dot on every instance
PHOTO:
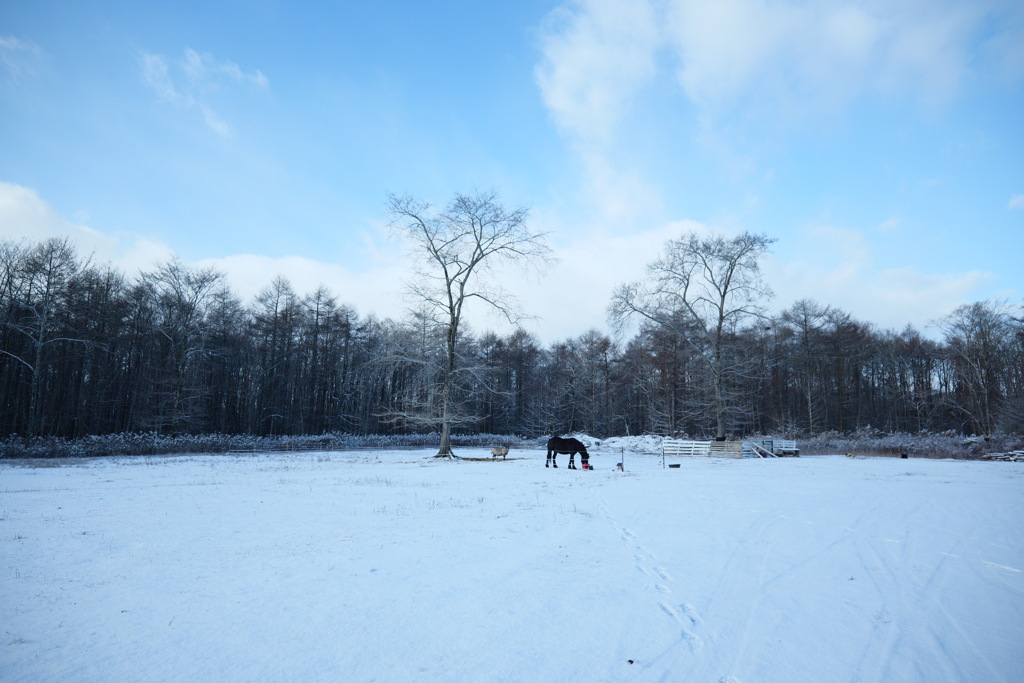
(881, 143)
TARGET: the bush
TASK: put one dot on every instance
(152, 443)
(943, 445)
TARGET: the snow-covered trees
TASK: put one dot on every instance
(703, 290)
(983, 343)
(38, 280)
(86, 350)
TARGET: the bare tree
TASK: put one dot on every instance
(807, 320)
(181, 295)
(49, 266)
(275, 331)
(457, 250)
(715, 283)
(978, 337)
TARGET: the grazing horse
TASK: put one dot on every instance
(568, 447)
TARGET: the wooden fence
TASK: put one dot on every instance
(729, 449)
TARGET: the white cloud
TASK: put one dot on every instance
(216, 123)
(24, 215)
(843, 272)
(572, 295)
(595, 55)
(204, 68)
(765, 62)
(798, 59)
(154, 72)
(1016, 202)
(189, 81)
(376, 290)
(750, 68)
(567, 298)
(19, 58)
(619, 196)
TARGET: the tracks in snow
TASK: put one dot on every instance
(659, 581)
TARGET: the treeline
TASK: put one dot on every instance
(86, 350)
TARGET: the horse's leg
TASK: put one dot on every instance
(547, 463)
(572, 461)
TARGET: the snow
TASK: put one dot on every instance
(394, 566)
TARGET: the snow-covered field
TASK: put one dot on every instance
(392, 566)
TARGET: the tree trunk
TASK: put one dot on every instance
(445, 449)
(719, 409)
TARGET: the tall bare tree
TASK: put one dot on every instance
(49, 267)
(181, 295)
(715, 283)
(807, 320)
(457, 250)
(979, 337)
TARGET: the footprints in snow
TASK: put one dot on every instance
(642, 563)
(685, 611)
(684, 615)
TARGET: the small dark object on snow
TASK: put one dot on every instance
(674, 465)
(630, 661)
(904, 456)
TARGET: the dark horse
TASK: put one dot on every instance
(570, 447)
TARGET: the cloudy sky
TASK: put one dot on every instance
(881, 143)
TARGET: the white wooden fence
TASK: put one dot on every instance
(729, 449)
(686, 449)
(781, 446)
